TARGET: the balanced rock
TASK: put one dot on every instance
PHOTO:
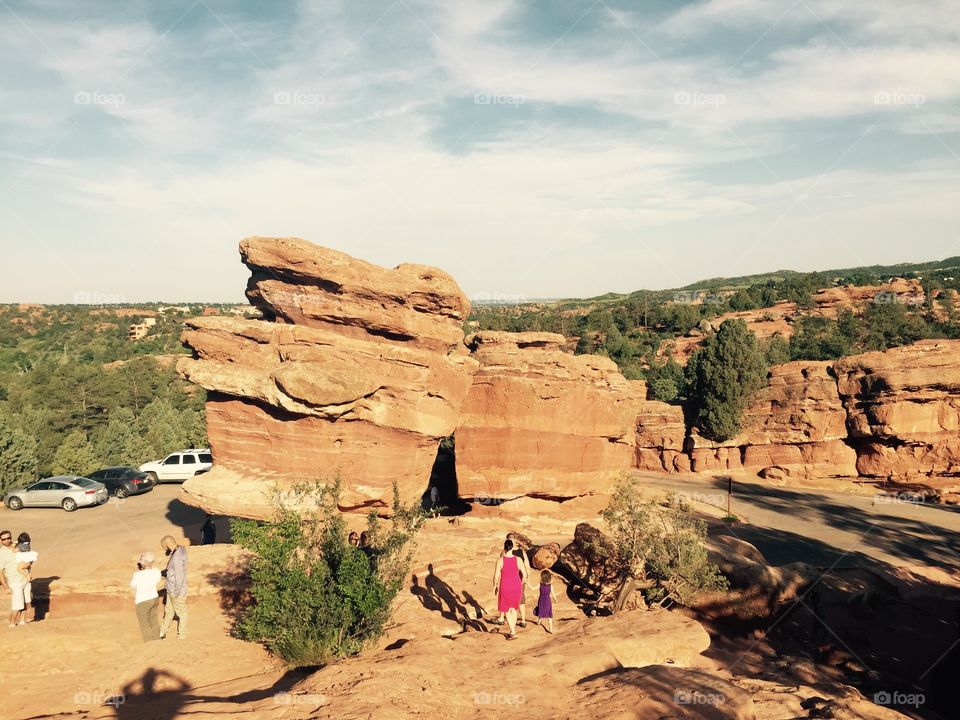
(356, 372)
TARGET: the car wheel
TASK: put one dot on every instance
(121, 493)
(14, 503)
(153, 477)
(69, 504)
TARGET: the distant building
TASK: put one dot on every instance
(210, 311)
(164, 309)
(138, 331)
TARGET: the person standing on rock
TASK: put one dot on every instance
(208, 533)
(508, 582)
(144, 582)
(176, 574)
(25, 560)
(9, 575)
(524, 566)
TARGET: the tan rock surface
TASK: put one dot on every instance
(539, 421)
(904, 409)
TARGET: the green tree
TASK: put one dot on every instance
(722, 377)
(120, 443)
(163, 427)
(75, 456)
(18, 463)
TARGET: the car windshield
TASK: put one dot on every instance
(83, 482)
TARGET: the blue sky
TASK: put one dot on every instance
(531, 149)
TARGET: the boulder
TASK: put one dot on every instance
(539, 421)
(545, 556)
(356, 371)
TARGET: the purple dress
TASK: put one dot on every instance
(544, 604)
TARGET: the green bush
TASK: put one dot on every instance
(722, 377)
(316, 597)
(663, 545)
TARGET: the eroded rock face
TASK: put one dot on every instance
(360, 374)
(540, 421)
(794, 428)
(904, 409)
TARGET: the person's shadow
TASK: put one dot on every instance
(437, 596)
(40, 589)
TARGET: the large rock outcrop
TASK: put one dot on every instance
(903, 407)
(540, 421)
(794, 427)
(360, 373)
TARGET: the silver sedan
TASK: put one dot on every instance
(66, 491)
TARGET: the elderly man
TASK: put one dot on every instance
(176, 574)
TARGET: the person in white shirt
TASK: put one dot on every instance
(9, 575)
(25, 558)
(145, 581)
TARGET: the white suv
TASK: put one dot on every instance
(178, 466)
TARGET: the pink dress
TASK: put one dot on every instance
(510, 585)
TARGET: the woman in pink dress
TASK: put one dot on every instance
(508, 584)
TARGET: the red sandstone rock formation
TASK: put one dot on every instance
(539, 421)
(794, 427)
(365, 382)
(904, 409)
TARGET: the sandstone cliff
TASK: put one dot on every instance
(904, 409)
(540, 421)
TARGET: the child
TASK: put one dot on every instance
(544, 609)
(25, 559)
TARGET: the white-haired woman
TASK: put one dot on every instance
(144, 582)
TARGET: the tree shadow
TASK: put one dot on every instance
(437, 596)
(858, 621)
(882, 528)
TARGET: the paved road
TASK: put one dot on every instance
(74, 544)
(823, 527)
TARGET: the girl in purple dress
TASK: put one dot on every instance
(544, 609)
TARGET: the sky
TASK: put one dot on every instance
(562, 148)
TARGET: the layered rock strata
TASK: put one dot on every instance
(359, 373)
(540, 421)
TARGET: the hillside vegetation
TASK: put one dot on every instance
(76, 394)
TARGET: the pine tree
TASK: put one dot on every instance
(18, 463)
(75, 456)
(723, 375)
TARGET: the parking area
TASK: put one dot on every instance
(74, 545)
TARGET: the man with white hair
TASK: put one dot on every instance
(176, 574)
(144, 582)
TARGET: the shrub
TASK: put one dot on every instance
(664, 545)
(316, 597)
